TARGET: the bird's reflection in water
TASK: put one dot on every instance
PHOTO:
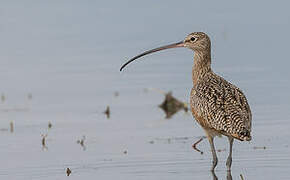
(214, 177)
(229, 175)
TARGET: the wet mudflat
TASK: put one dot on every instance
(59, 73)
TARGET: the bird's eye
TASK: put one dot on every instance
(192, 39)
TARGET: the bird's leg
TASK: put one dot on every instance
(214, 156)
(229, 175)
(229, 160)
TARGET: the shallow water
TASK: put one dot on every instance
(67, 55)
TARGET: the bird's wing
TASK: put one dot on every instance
(223, 107)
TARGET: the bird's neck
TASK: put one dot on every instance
(202, 65)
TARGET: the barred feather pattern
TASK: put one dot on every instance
(221, 106)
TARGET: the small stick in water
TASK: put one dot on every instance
(44, 147)
(68, 171)
(11, 127)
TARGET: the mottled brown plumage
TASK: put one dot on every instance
(221, 106)
(217, 105)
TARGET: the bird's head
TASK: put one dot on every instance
(197, 41)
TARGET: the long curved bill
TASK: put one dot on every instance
(175, 45)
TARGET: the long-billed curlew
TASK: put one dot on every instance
(217, 105)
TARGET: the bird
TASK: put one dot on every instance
(219, 107)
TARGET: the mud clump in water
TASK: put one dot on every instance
(3, 98)
(151, 142)
(107, 112)
(49, 125)
(68, 171)
(171, 105)
(11, 127)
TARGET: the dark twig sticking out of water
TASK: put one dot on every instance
(197, 142)
(171, 105)
(49, 125)
(43, 142)
(68, 171)
(107, 112)
(82, 142)
(3, 98)
(11, 127)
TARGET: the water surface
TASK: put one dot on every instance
(67, 55)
